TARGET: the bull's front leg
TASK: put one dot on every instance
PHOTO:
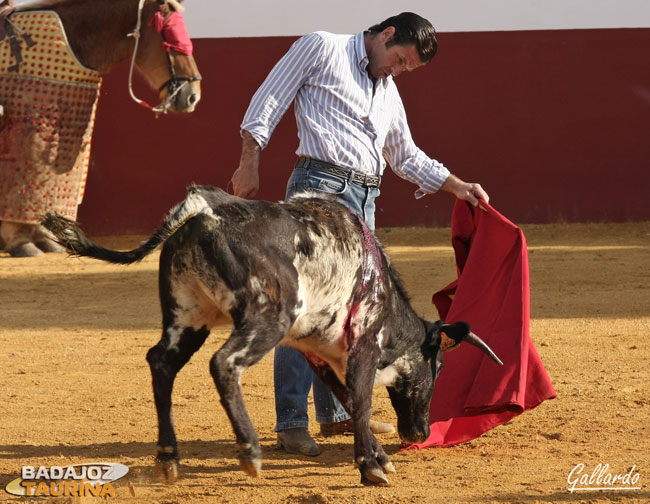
(356, 396)
(369, 455)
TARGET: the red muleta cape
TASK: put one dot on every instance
(472, 393)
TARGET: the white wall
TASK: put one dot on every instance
(263, 18)
(267, 18)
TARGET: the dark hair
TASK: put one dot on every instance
(410, 29)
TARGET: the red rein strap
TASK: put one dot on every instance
(173, 31)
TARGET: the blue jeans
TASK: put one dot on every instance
(292, 375)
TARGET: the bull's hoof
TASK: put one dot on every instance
(373, 476)
(167, 471)
(388, 467)
(25, 249)
(252, 467)
(250, 459)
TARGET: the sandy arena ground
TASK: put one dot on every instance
(75, 385)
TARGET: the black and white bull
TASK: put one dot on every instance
(305, 273)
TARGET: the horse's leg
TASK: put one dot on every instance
(248, 343)
(165, 360)
(18, 239)
(43, 240)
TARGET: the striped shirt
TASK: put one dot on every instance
(341, 119)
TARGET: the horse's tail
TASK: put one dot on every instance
(69, 235)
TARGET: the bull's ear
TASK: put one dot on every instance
(431, 343)
(452, 335)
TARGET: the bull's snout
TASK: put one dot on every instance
(413, 434)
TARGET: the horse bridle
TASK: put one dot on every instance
(174, 84)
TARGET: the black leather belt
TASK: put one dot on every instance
(339, 171)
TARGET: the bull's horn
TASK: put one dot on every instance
(479, 343)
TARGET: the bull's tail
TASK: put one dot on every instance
(69, 235)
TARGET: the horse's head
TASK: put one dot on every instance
(165, 58)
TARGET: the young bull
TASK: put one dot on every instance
(305, 273)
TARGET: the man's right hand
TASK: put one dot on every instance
(246, 179)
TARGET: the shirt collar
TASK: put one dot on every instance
(362, 57)
(360, 50)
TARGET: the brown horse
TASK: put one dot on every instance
(100, 34)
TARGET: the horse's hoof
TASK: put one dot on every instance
(25, 249)
(252, 466)
(47, 245)
(374, 476)
(167, 471)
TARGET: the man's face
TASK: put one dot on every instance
(394, 60)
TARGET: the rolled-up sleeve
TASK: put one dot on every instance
(407, 160)
(272, 99)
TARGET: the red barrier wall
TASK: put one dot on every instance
(554, 124)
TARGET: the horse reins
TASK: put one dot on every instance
(174, 84)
